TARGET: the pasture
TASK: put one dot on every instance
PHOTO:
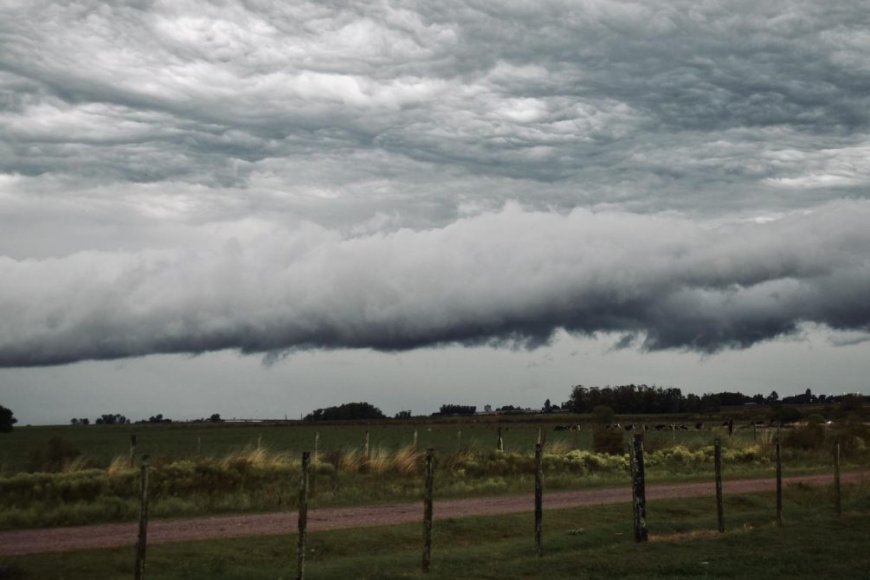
(164, 442)
(205, 468)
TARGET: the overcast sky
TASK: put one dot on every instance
(259, 208)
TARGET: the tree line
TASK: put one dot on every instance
(646, 399)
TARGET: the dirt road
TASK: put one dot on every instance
(21, 542)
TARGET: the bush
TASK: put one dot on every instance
(607, 441)
(56, 454)
(811, 436)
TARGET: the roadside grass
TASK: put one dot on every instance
(594, 542)
(258, 480)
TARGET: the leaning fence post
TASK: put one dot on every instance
(139, 572)
(838, 497)
(717, 459)
(303, 517)
(638, 489)
(778, 483)
(132, 449)
(427, 512)
(539, 499)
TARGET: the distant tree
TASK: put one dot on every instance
(457, 410)
(772, 398)
(784, 414)
(346, 412)
(112, 419)
(7, 420)
(403, 415)
(548, 407)
(215, 418)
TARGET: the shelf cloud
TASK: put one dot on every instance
(193, 176)
(509, 278)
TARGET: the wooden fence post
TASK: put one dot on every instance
(778, 483)
(720, 509)
(415, 438)
(500, 443)
(539, 498)
(303, 517)
(366, 447)
(838, 497)
(132, 450)
(139, 571)
(427, 512)
(316, 447)
(459, 440)
(638, 489)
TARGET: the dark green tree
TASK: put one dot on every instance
(7, 420)
(346, 412)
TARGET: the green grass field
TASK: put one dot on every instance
(101, 443)
(578, 543)
(244, 478)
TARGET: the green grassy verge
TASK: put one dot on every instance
(579, 543)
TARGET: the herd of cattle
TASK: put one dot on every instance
(699, 426)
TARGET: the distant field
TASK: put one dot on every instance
(172, 441)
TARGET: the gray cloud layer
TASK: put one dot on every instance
(188, 176)
(510, 277)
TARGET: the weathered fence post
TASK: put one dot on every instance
(366, 446)
(539, 498)
(638, 489)
(303, 517)
(132, 450)
(838, 497)
(500, 443)
(259, 440)
(427, 512)
(540, 435)
(415, 438)
(459, 440)
(778, 483)
(198, 445)
(316, 447)
(139, 572)
(720, 509)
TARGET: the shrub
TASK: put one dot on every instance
(55, 456)
(607, 441)
(811, 436)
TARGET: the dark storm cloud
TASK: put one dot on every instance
(508, 278)
(188, 176)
